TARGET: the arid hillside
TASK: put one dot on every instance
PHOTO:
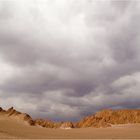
(23, 117)
(12, 113)
(11, 128)
(119, 124)
(104, 118)
(107, 118)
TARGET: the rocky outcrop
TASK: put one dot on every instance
(106, 118)
(67, 125)
(92, 121)
(44, 123)
(119, 116)
(11, 112)
(51, 124)
(25, 117)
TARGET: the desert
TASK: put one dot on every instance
(70, 69)
(17, 125)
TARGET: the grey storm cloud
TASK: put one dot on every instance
(69, 58)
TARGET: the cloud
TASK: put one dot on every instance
(69, 58)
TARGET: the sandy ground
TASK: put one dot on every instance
(12, 129)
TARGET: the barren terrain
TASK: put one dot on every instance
(11, 128)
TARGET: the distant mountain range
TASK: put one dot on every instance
(104, 118)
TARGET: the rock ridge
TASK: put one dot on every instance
(108, 117)
(104, 118)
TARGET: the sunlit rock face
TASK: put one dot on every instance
(119, 116)
(44, 123)
(67, 125)
(51, 124)
(106, 118)
(92, 121)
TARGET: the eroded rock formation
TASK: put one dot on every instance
(107, 118)
(104, 118)
(44, 123)
(67, 125)
(11, 112)
(51, 124)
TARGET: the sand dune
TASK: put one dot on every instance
(11, 128)
(123, 124)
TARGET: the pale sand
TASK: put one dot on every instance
(15, 129)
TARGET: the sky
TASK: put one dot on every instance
(66, 59)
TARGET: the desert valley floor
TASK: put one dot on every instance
(11, 128)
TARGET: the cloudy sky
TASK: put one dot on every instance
(65, 59)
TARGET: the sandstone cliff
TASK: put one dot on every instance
(106, 118)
